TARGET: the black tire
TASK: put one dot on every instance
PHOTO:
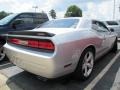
(2, 54)
(115, 47)
(79, 73)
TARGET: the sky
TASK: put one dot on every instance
(96, 9)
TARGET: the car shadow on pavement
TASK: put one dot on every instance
(5, 64)
(27, 81)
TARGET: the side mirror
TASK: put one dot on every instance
(112, 30)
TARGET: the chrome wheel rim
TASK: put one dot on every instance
(2, 54)
(88, 63)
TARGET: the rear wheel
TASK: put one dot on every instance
(2, 54)
(85, 65)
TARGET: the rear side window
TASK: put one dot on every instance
(99, 26)
(33, 18)
(112, 23)
(39, 18)
(26, 18)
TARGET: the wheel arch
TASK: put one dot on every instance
(90, 46)
(84, 50)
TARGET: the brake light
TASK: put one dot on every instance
(14, 40)
(47, 45)
(41, 44)
(33, 43)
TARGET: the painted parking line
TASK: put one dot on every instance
(11, 71)
(118, 45)
(116, 84)
(102, 73)
(4, 64)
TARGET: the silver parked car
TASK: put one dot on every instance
(113, 25)
(61, 47)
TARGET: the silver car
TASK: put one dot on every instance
(60, 47)
(113, 25)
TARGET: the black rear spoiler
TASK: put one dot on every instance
(31, 33)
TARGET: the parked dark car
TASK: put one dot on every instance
(18, 22)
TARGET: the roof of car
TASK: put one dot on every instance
(32, 12)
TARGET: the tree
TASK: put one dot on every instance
(73, 11)
(3, 14)
(53, 14)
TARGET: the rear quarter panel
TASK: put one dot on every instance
(69, 46)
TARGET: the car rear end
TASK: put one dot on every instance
(37, 52)
(31, 53)
(49, 51)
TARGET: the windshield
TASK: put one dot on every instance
(62, 23)
(7, 19)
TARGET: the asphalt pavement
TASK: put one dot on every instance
(104, 77)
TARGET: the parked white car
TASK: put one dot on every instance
(113, 25)
(61, 47)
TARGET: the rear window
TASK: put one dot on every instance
(112, 23)
(62, 23)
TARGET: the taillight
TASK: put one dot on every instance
(14, 40)
(41, 44)
(33, 43)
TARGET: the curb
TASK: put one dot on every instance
(3, 81)
(6, 84)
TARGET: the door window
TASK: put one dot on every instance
(23, 22)
(25, 18)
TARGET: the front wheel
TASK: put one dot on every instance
(85, 65)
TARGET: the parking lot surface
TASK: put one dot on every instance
(105, 77)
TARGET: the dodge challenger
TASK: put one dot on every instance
(60, 47)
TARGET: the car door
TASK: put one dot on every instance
(109, 36)
(104, 36)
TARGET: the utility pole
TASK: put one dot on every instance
(35, 7)
(114, 10)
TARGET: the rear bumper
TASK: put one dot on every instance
(42, 64)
